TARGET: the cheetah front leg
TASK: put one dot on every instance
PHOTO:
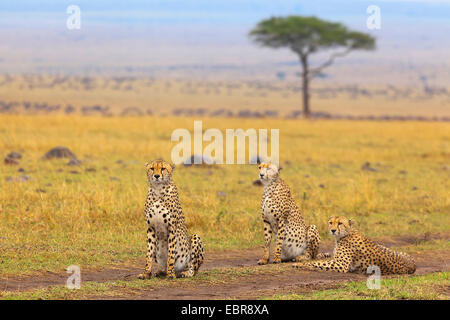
(326, 265)
(267, 241)
(279, 241)
(171, 253)
(151, 244)
(341, 263)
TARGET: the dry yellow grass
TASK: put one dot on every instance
(60, 218)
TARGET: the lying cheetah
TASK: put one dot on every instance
(169, 244)
(281, 217)
(354, 252)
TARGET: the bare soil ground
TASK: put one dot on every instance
(248, 287)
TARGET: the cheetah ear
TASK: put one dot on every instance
(280, 168)
(351, 222)
(173, 166)
(146, 165)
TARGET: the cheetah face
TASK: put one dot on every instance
(268, 172)
(339, 226)
(159, 171)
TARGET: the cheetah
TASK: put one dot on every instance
(354, 252)
(169, 246)
(294, 240)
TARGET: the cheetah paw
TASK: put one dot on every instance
(303, 266)
(300, 259)
(323, 255)
(263, 261)
(186, 274)
(144, 276)
(276, 260)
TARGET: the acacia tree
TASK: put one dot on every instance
(308, 35)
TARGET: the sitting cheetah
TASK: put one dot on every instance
(281, 217)
(354, 252)
(168, 241)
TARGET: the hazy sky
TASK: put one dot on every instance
(218, 11)
(33, 34)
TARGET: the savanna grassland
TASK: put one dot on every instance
(138, 96)
(92, 214)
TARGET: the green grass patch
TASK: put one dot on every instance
(433, 286)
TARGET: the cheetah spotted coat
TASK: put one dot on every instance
(283, 220)
(355, 253)
(169, 246)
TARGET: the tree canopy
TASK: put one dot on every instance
(305, 35)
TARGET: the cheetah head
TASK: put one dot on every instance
(339, 226)
(159, 171)
(268, 172)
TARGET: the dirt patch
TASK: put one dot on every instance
(429, 262)
(216, 259)
(251, 286)
(254, 286)
(51, 278)
(406, 240)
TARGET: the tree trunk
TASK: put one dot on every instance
(305, 85)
